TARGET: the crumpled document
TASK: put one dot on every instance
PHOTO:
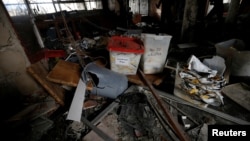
(216, 63)
(202, 87)
(194, 64)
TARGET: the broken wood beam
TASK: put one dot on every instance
(176, 127)
(39, 73)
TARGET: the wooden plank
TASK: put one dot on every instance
(39, 73)
(239, 93)
(66, 73)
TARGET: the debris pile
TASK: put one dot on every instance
(137, 119)
(202, 83)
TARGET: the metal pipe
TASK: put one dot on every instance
(97, 130)
(178, 130)
(35, 29)
(207, 109)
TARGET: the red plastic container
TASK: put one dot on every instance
(125, 54)
(125, 45)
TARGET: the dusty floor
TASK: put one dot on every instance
(57, 128)
(113, 126)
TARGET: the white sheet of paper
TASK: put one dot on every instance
(75, 110)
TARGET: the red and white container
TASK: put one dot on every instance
(125, 54)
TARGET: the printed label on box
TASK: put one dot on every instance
(155, 52)
(121, 60)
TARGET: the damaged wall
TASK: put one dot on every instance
(13, 60)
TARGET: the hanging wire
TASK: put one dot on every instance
(79, 52)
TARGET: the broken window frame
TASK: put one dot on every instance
(41, 7)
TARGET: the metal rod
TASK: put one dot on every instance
(207, 109)
(35, 29)
(99, 132)
(178, 130)
(72, 40)
(163, 121)
(105, 112)
(184, 113)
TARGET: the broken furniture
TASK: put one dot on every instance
(65, 73)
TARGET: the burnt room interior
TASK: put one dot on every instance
(123, 70)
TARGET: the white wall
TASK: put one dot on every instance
(13, 60)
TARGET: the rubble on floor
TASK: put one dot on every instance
(133, 117)
(128, 109)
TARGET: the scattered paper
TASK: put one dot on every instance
(216, 63)
(194, 64)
